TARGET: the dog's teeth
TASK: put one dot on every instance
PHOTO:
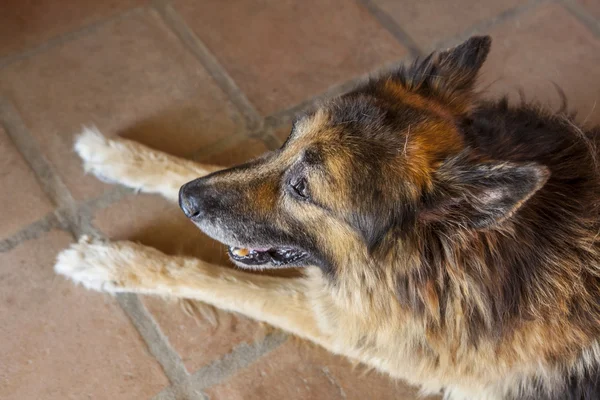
(241, 252)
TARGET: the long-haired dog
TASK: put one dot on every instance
(445, 240)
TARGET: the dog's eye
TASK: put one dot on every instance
(299, 187)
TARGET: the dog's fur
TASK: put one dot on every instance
(446, 240)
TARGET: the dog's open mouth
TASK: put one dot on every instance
(278, 256)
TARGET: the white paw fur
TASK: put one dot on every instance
(134, 165)
(91, 263)
(105, 158)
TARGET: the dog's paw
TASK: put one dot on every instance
(89, 262)
(103, 157)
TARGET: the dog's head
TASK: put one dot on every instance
(363, 171)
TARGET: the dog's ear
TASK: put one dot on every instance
(459, 66)
(479, 195)
(451, 74)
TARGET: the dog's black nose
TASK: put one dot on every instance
(189, 201)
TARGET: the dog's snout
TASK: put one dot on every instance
(189, 201)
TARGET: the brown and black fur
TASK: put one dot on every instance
(455, 241)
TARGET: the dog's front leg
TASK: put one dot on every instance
(123, 266)
(136, 166)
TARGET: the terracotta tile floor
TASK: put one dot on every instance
(218, 81)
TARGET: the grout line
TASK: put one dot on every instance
(220, 370)
(241, 357)
(106, 199)
(218, 146)
(484, 26)
(67, 37)
(582, 15)
(78, 223)
(166, 394)
(269, 140)
(157, 342)
(172, 393)
(280, 118)
(334, 382)
(392, 27)
(210, 63)
(267, 137)
(49, 180)
(31, 231)
(26, 144)
(283, 117)
(52, 219)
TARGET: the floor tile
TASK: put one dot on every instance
(297, 370)
(533, 51)
(430, 22)
(282, 52)
(234, 151)
(283, 132)
(202, 334)
(592, 6)
(22, 200)
(60, 341)
(132, 77)
(27, 23)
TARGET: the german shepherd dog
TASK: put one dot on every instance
(446, 240)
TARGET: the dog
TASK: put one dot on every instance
(446, 240)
